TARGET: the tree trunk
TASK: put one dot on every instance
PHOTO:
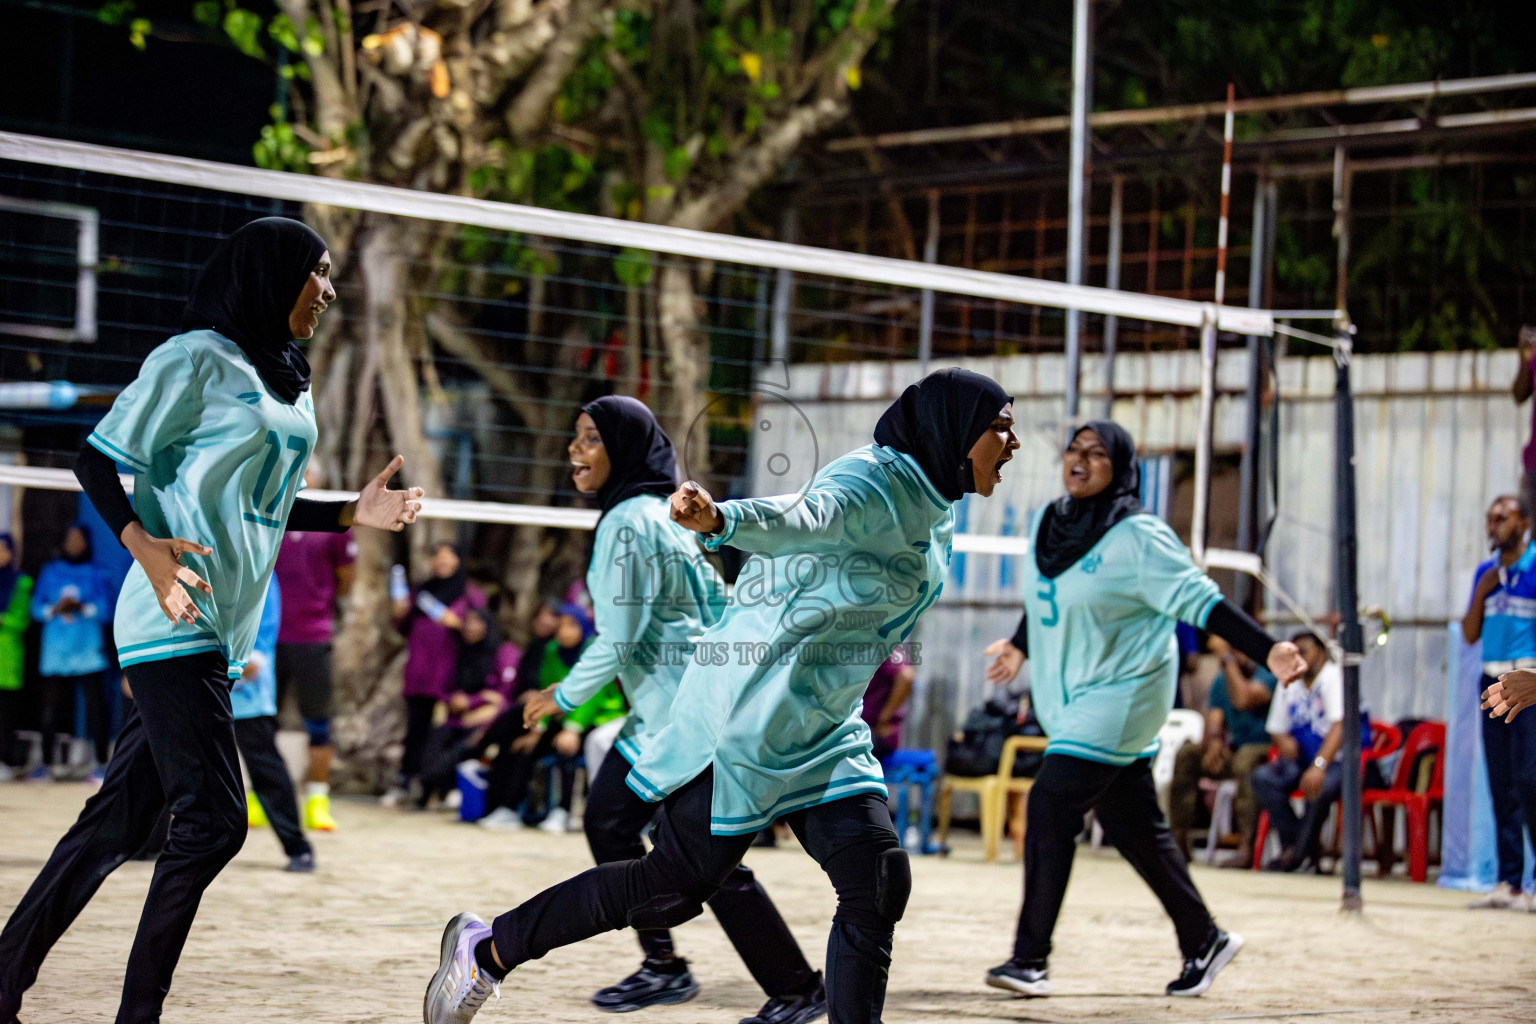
(686, 377)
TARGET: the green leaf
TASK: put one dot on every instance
(678, 164)
(114, 12)
(633, 268)
(313, 44)
(243, 28)
(207, 12)
(283, 31)
(138, 32)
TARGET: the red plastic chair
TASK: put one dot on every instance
(1384, 739)
(1426, 738)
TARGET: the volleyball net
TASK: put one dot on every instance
(509, 317)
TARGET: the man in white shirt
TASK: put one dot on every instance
(1306, 724)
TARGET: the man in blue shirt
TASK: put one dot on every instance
(1235, 743)
(1502, 614)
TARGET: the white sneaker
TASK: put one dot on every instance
(452, 802)
(392, 797)
(460, 987)
(556, 821)
(1503, 897)
(502, 819)
(1523, 903)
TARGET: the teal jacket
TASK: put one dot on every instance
(772, 699)
(1104, 662)
(653, 595)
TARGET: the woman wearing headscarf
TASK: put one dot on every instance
(653, 595)
(15, 618)
(766, 722)
(480, 695)
(217, 429)
(1103, 590)
(431, 620)
(70, 601)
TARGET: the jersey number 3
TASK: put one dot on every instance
(1047, 593)
(300, 448)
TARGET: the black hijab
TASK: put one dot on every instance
(85, 535)
(477, 661)
(641, 458)
(1071, 527)
(938, 420)
(247, 289)
(448, 589)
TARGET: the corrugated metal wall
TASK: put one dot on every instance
(1437, 438)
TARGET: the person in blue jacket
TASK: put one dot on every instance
(653, 596)
(72, 602)
(1104, 588)
(767, 719)
(253, 704)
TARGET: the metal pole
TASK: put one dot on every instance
(1226, 201)
(1248, 475)
(1346, 581)
(1112, 280)
(930, 255)
(1203, 437)
(1077, 181)
(1349, 618)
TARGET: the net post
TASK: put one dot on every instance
(1347, 590)
(1077, 189)
(1201, 512)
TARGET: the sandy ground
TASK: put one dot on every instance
(357, 941)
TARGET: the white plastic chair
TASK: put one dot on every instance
(1182, 726)
(1223, 803)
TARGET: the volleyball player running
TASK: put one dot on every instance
(653, 595)
(766, 722)
(1103, 587)
(217, 428)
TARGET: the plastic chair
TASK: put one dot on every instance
(1180, 727)
(905, 769)
(986, 789)
(1009, 787)
(1223, 804)
(1416, 796)
(1384, 740)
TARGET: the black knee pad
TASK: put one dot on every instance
(893, 883)
(667, 911)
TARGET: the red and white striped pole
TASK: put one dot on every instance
(1226, 202)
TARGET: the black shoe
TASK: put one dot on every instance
(1200, 971)
(793, 1009)
(1024, 977)
(301, 863)
(656, 983)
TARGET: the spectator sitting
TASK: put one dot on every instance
(482, 691)
(560, 635)
(430, 618)
(1306, 724)
(1235, 744)
(885, 702)
(15, 618)
(71, 600)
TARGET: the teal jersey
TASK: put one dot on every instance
(653, 595)
(838, 576)
(257, 697)
(1104, 662)
(218, 459)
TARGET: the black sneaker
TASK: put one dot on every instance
(301, 863)
(1023, 977)
(793, 1009)
(1200, 971)
(656, 983)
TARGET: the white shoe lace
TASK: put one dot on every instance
(480, 988)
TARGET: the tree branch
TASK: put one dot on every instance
(533, 103)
